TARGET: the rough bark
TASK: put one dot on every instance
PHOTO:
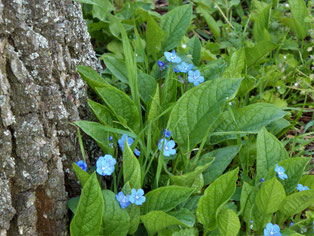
(41, 42)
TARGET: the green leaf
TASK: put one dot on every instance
(260, 50)
(155, 221)
(247, 201)
(290, 232)
(188, 179)
(195, 49)
(296, 203)
(269, 152)
(169, 90)
(308, 180)
(270, 196)
(97, 131)
(215, 196)
(91, 77)
(116, 67)
(175, 24)
(228, 223)
(146, 86)
(261, 24)
(88, 216)
(121, 105)
(250, 118)
(212, 24)
(223, 157)
(299, 14)
(116, 221)
(73, 203)
(198, 109)
(104, 4)
(184, 215)
(154, 37)
(102, 113)
(154, 108)
(186, 232)
(236, 66)
(131, 168)
(82, 175)
(165, 198)
(294, 169)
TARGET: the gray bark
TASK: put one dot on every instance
(41, 42)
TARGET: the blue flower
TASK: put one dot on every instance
(105, 165)
(167, 133)
(137, 197)
(281, 172)
(176, 70)
(123, 200)
(184, 67)
(195, 77)
(161, 65)
(110, 138)
(302, 188)
(172, 57)
(130, 141)
(262, 180)
(168, 147)
(272, 230)
(81, 164)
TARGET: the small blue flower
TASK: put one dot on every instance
(184, 67)
(302, 188)
(172, 57)
(168, 147)
(281, 172)
(110, 138)
(137, 197)
(82, 164)
(251, 226)
(262, 180)
(161, 65)
(176, 70)
(123, 200)
(105, 165)
(167, 133)
(291, 224)
(272, 230)
(130, 142)
(195, 77)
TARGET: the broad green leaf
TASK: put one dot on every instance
(260, 50)
(165, 198)
(250, 118)
(308, 180)
(296, 203)
(146, 86)
(294, 169)
(212, 24)
(188, 179)
(228, 223)
(299, 14)
(184, 215)
(290, 232)
(215, 196)
(97, 131)
(169, 89)
(195, 49)
(175, 24)
(116, 67)
(73, 203)
(91, 77)
(191, 203)
(186, 232)
(104, 4)
(82, 175)
(278, 125)
(198, 109)
(155, 221)
(115, 221)
(270, 196)
(88, 216)
(269, 152)
(131, 168)
(102, 113)
(121, 105)
(154, 108)
(236, 65)
(261, 23)
(223, 157)
(154, 36)
(247, 201)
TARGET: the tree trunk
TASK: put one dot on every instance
(41, 42)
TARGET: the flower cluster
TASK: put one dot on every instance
(300, 187)
(129, 141)
(281, 172)
(168, 145)
(136, 197)
(105, 165)
(272, 230)
(181, 66)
